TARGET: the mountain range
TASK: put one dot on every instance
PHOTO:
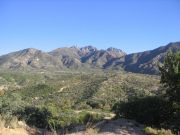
(86, 58)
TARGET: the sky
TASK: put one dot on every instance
(130, 25)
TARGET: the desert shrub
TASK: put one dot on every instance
(10, 103)
(152, 131)
(52, 127)
(65, 119)
(39, 90)
(148, 110)
(54, 123)
(44, 118)
(86, 117)
(35, 116)
(95, 104)
(81, 106)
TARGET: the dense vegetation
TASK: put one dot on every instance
(161, 110)
(64, 100)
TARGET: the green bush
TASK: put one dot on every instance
(10, 103)
(35, 116)
(95, 104)
(148, 110)
(86, 117)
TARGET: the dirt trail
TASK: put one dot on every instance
(122, 127)
(105, 127)
(117, 127)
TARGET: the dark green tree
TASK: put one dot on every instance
(170, 76)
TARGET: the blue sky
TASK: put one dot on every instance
(130, 25)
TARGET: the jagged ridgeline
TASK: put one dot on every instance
(86, 59)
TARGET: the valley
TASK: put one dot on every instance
(93, 91)
(89, 67)
(72, 98)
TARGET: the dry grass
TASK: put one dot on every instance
(2, 122)
(11, 126)
(152, 131)
(8, 122)
(16, 131)
(14, 122)
(91, 131)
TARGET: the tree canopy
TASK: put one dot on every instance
(170, 76)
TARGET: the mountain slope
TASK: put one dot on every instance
(87, 58)
(68, 56)
(100, 58)
(29, 59)
(144, 62)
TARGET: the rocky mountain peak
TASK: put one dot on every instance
(75, 47)
(88, 48)
(115, 50)
(30, 51)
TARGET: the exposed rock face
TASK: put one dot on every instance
(115, 52)
(87, 50)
